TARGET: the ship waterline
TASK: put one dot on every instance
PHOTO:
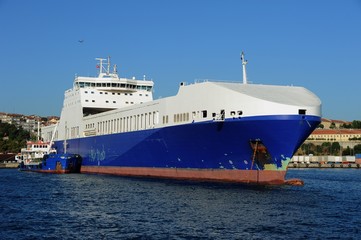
(270, 177)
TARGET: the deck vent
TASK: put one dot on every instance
(223, 113)
(204, 113)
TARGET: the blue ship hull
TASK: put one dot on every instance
(253, 144)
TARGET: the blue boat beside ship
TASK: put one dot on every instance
(54, 163)
(39, 156)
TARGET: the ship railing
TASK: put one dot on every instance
(115, 87)
(201, 80)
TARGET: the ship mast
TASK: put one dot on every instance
(100, 66)
(102, 69)
(244, 63)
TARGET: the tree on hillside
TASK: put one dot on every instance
(347, 152)
(357, 149)
(319, 150)
(356, 124)
(12, 139)
(326, 148)
(308, 148)
(335, 148)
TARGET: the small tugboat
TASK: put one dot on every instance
(40, 157)
(35, 151)
(54, 163)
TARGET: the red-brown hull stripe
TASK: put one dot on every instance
(221, 175)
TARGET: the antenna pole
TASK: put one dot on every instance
(108, 67)
(115, 71)
(244, 63)
(38, 130)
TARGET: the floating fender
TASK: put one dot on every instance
(294, 182)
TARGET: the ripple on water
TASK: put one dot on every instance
(80, 206)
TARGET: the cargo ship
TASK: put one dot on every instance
(209, 131)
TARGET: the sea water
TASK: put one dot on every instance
(83, 206)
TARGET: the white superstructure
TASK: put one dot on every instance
(109, 104)
(35, 150)
(93, 95)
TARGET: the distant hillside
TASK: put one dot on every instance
(12, 139)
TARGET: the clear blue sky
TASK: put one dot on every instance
(310, 43)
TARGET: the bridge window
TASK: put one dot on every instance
(302, 111)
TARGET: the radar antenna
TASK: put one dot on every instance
(100, 66)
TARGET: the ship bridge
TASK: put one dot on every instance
(108, 91)
(110, 81)
(113, 84)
